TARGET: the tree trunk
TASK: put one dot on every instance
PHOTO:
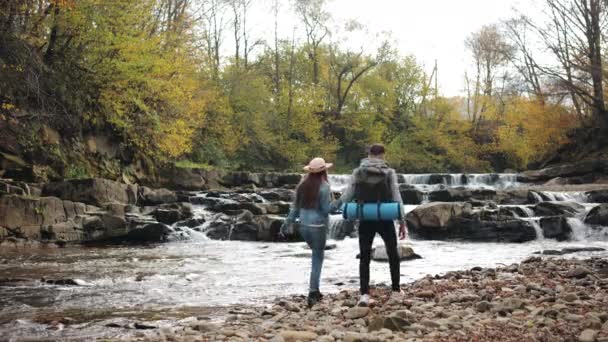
(595, 58)
(277, 80)
(50, 51)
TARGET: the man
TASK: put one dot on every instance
(374, 181)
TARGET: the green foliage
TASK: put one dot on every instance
(74, 171)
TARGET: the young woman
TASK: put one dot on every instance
(311, 205)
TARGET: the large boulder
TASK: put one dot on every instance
(172, 213)
(567, 209)
(405, 252)
(435, 216)
(556, 227)
(25, 217)
(456, 220)
(598, 215)
(150, 232)
(490, 231)
(149, 196)
(94, 191)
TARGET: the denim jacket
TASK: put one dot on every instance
(318, 217)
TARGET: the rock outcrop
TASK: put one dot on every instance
(93, 191)
(565, 171)
(457, 220)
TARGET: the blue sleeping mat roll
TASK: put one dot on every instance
(387, 211)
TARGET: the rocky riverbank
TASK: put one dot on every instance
(251, 207)
(536, 300)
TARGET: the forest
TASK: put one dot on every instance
(160, 77)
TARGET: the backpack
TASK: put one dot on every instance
(372, 185)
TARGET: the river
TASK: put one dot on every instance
(203, 277)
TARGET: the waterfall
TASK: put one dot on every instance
(497, 180)
(540, 237)
(338, 182)
(555, 196)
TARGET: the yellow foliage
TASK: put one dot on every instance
(530, 129)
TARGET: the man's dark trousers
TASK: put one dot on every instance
(367, 232)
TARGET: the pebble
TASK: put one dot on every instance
(483, 306)
(570, 297)
(293, 336)
(588, 335)
(357, 312)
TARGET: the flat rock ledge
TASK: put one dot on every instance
(537, 300)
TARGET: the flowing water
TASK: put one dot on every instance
(202, 277)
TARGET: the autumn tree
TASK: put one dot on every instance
(491, 52)
(315, 19)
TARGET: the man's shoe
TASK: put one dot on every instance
(364, 300)
(313, 298)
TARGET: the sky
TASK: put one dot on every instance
(428, 29)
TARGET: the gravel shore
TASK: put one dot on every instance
(541, 299)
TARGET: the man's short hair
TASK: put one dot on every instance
(376, 149)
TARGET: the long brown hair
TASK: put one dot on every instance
(307, 193)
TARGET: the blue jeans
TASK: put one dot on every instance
(315, 237)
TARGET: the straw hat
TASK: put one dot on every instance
(317, 165)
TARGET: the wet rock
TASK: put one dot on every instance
(66, 282)
(191, 223)
(274, 195)
(228, 206)
(151, 232)
(556, 227)
(444, 221)
(565, 209)
(532, 260)
(143, 326)
(405, 252)
(597, 196)
(357, 312)
(171, 213)
(461, 194)
(598, 215)
(410, 195)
